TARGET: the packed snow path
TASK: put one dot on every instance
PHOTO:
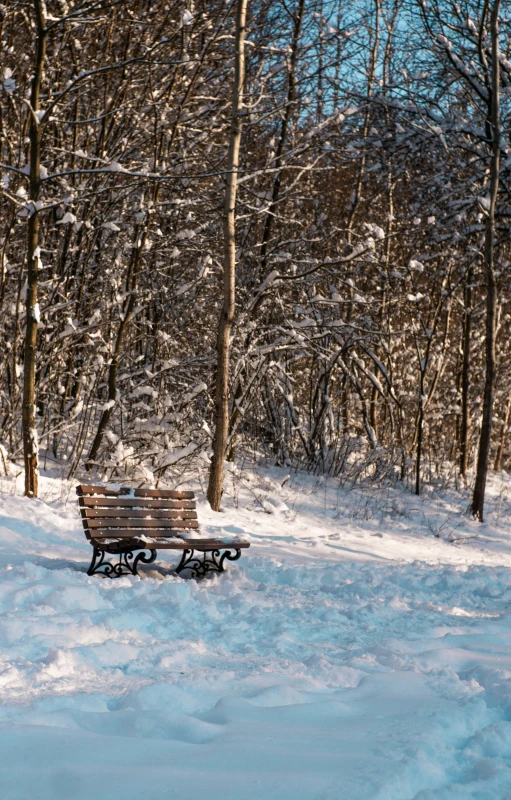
(350, 655)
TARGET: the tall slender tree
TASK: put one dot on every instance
(493, 132)
(30, 444)
(226, 319)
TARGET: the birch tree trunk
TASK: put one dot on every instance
(30, 446)
(216, 474)
(491, 288)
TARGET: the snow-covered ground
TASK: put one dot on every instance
(353, 653)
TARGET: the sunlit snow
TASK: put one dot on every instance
(355, 652)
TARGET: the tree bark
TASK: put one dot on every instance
(503, 431)
(371, 77)
(30, 446)
(491, 288)
(426, 394)
(465, 377)
(113, 369)
(279, 155)
(418, 462)
(216, 474)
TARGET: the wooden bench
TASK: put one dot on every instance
(122, 521)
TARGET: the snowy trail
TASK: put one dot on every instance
(340, 658)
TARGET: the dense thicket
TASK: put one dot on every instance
(362, 215)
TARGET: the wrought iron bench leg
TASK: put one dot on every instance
(211, 561)
(95, 563)
(127, 564)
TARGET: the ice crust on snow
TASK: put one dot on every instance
(349, 654)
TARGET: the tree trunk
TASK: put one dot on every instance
(465, 377)
(113, 369)
(491, 288)
(30, 446)
(216, 474)
(420, 430)
(371, 77)
(279, 160)
(503, 431)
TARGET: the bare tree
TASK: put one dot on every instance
(493, 132)
(221, 421)
(30, 443)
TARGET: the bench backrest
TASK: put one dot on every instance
(124, 512)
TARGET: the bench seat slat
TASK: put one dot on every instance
(133, 533)
(114, 502)
(179, 544)
(159, 493)
(141, 523)
(119, 513)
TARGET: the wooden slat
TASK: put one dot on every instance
(130, 502)
(84, 489)
(181, 544)
(108, 513)
(142, 523)
(200, 544)
(172, 494)
(130, 533)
